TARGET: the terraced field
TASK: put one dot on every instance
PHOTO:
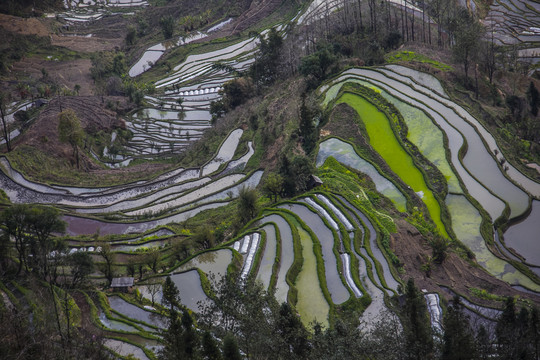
(171, 197)
(516, 22)
(323, 250)
(429, 116)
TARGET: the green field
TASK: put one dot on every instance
(383, 140)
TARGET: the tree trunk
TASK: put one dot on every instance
(429, 30)
(412, 24)
(476, 80)
(402, 22)
(4, 124)
(360, 15)
(57, 316)
(423, 22)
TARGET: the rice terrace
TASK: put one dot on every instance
(270, 179)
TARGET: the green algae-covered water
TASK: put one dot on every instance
(422, 131)
(345, 154)
(383, 140)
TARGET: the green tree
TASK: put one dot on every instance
(217, 109)
(534, 331)
(264, 69)
(181, 341)
(247, 203)
(5, 250)
(119, 67)
(252, 315)
(153, 287)
(16, 224)
(534, 98)
(70, 131)
(167, 26)
(273, 186)
(131, 35)
(458, 339)
(292, 332)
(439, 247)
(467, 32)
(236, 92)
(171, 295)
(343, 341)
(230, 348)
(484, 343)
(151, 259)
(318, 63)
(524, 345)
(180, 102)
(131, 266)
(204, 237)
(210, 348)
(44, 221)
(417, 327)
(296, 174)
(506, 331)
(307, 128)
(190, 337)
(81, 265)
(173, 345)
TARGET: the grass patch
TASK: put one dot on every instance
(411, 56)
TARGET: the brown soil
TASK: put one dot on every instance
(43, 132)
(43, 135)
(455, 272)
(66, 73)
(85, 44)
(24, 26)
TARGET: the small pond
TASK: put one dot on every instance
(210, 262)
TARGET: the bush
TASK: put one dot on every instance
(131, 35)
(167, 26)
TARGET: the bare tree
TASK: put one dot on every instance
(104, 249)
(4, 99)
(153, 287)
